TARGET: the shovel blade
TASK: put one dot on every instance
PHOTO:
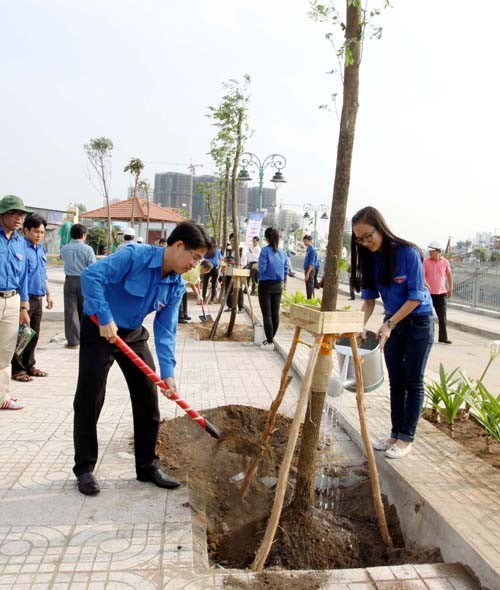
(206, 318)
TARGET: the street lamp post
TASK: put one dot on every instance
(309, 208)
(251, 160)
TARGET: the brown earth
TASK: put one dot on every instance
(345, 537)
(201, 331)
(471, 435)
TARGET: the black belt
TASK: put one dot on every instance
(7, 294)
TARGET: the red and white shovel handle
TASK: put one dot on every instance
(146, 369)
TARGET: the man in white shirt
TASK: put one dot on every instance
(253, 253)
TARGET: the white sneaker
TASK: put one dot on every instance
(397, 451)
(382, 444)
(12, 404)
(268, 345)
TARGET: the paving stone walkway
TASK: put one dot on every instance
(134, 535)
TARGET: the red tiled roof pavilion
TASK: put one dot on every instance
(122, 211)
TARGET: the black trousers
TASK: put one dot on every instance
(310, 284)
(440, 303)
(227, 280)
(73, 309)
(212, 278)
(253, 267)
(26, 362)
(96, 358)
(269, 301)
(183, 307)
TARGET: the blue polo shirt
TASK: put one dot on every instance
(273, 266)
(215, 259)
(407, 283)
(311, 258)
(126, 287)
(37, 272)
(13, 268)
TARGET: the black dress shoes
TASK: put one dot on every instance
(445, 341)
(160, 479)
(88, 484)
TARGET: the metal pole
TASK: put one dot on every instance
(261, 187)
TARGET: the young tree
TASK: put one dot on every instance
(135, 167)
(145, 186)
(98, 152)
(354, 26)
(230, 117)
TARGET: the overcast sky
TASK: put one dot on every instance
(143, 73)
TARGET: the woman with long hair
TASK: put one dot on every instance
(273, 268)
(384, 265)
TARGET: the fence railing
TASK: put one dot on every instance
(473, 285)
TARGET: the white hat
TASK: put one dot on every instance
(130, 231)
(140, 240)
(434, 245)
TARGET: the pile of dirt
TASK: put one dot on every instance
(201, 331)
(316, 539)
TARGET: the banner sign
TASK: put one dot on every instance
(254, 225)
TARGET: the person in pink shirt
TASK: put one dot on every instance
(439, 280)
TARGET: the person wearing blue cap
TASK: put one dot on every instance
(14, 302)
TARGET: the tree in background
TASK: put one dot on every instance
(230, 117)
(135, 167)
(212, 194)
(98, 152)
(353, 28)
(145, 186)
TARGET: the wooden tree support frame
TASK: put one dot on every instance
(239, 275)
(323, 325)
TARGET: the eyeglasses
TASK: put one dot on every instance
(367, 237)
(196, 257)
(17, 213)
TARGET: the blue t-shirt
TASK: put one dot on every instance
(13, 267)
(129, 285)
(407, 283)
(37, 272)
(215, 259)
(311, 258)
(273, 265)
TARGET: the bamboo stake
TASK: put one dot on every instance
(285, 381)
(245, 280)
(213, 331)
(372, 466)
(272, 525)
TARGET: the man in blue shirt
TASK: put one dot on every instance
(14, 303)
(23, 366)
(77, 256)
(311, 266)
(121, 290)
(213, 274)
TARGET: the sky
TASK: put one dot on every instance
(144, 72)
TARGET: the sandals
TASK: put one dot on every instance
(37, 373)
(22, 377)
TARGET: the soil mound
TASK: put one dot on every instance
(343, 537)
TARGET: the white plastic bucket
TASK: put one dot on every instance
(258, 333)
(372, 364)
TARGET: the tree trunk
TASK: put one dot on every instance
(234, 197)
(132, 214)
(306, 470)
(108, 206)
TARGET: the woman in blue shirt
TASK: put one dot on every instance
(273, 268)
(385, 265)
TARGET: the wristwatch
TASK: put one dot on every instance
(390, 323)
(25, 308)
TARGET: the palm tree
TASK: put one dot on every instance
(135, 167)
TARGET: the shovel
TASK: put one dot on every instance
(205, 317)
(152, 376)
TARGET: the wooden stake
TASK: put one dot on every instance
(213, 331)
(272, 525)
(372, 466)
(285, 381)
